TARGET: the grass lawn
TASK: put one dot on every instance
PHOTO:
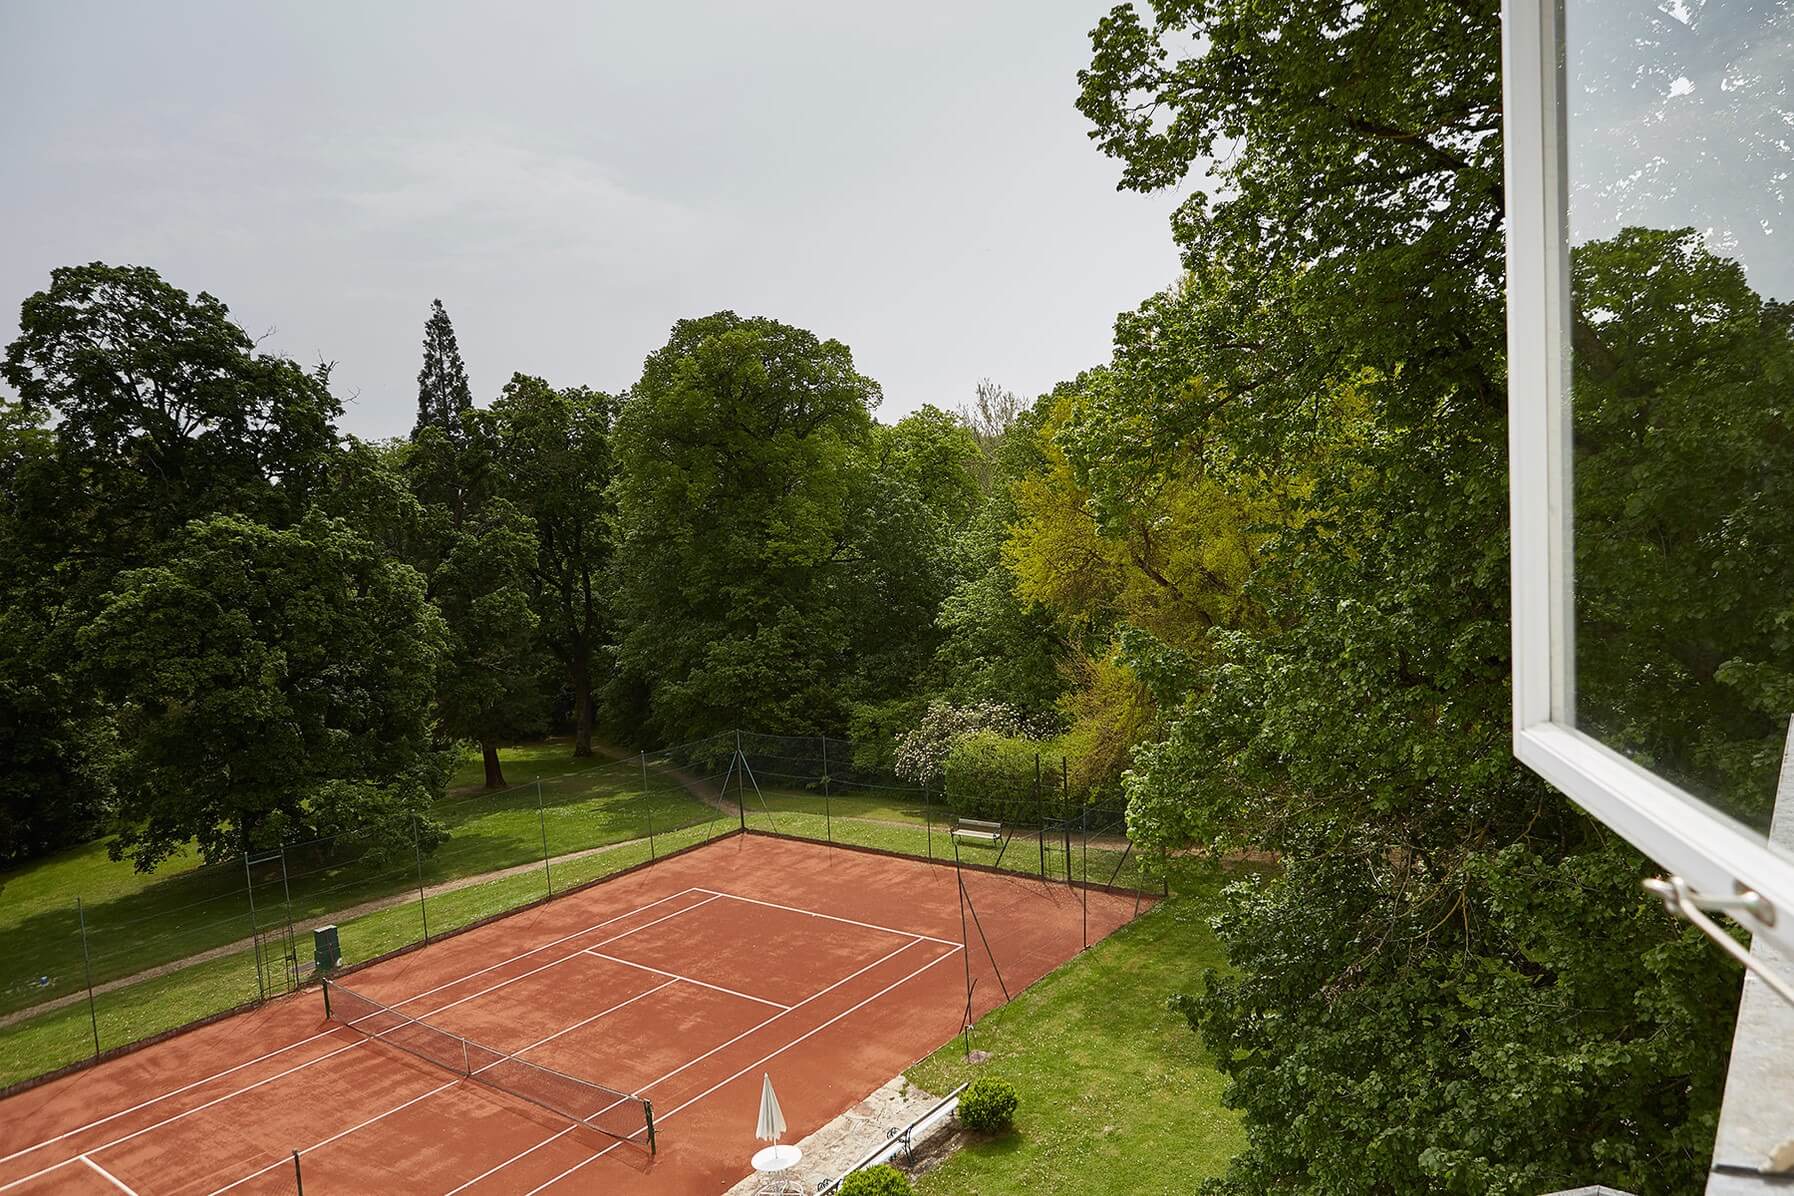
(522, 763)
(1117, 1095)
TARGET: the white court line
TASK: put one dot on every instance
(810, 1033)
(319, 1059)
(586, 1021)
(554, 1137)
(183, 1113)
(795, 909)
(750, 1030)
(339, 1134)
(551, 943)
(593, 951)
(114, 1180)
(555, 963)
(218, 1075)
(660, 1118)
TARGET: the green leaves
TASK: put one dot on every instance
(746, 526)
(1454, 984)
(269, 684)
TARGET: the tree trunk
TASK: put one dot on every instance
(495, 776)
(582, 713)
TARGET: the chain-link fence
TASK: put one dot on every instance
(103, 972)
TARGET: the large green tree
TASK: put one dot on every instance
(269, 684)
(139, 407)
(1453, 984)
(739, 452)
(162, 411)
(553, 462)
(477, 551)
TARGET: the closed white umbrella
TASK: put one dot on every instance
(769, 1129)
(772, 1118)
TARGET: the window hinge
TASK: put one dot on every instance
(1684, 902)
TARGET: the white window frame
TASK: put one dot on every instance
(1714, 855)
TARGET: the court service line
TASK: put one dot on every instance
(593, 951)
(110, 1178)
(783, 1010)
(660, 1118)
(810, 1033)
(554, 963)
(298, 1067)
(265, 1056)
(796, 909)
(585, 1021)
(550, 943)
(760, 1025)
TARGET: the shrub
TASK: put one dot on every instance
(993, 776)
(987, 1106)
(876, 1181)
(922, 751)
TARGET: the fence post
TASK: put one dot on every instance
(828, 819)
(928, 818)
(255, 931)
(93, 1018)
(965, 942)
(648, 806)
(417, 853)
(1084, 868)
(1039, 817)
(740, 784)
(1065, 810)
(286, 897)
(542, 825)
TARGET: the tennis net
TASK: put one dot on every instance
(620, 1115)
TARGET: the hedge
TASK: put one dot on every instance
(993, 776)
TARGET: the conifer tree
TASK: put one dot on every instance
(442, 391)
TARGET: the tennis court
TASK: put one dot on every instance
(530, 1054)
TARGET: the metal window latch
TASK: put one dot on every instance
(1684, 902)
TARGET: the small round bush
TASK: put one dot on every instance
(876, 1181)
(987, 1106)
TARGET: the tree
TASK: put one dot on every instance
(995, 646)
(270, 684)
(735, 455)
(163, 412)
(53, 736)
(442, 392)
(477, 552)
(139, 408)
(988, 416)
(490, 686)
(552, 451)
(1453, 984)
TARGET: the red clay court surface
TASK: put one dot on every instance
(830, 969)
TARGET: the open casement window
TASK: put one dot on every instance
(1650, 165)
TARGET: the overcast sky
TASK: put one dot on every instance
(570, 178)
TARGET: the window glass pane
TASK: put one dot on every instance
(1680, 147)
